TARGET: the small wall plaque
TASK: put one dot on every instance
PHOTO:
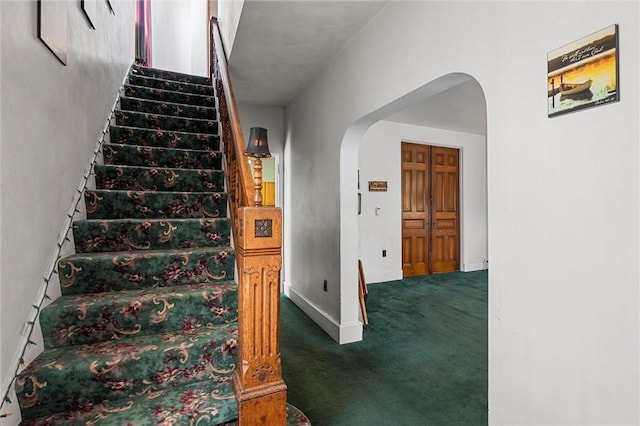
(377, 186)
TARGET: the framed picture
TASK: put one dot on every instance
(89, 9)
(583, 74)
(52, 27)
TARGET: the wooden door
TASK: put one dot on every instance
(445, 237)
(415, 209)
(430, 209)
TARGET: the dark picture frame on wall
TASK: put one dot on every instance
(52, 27)
(584, 74)
(89, 9)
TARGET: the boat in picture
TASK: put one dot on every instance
(574, 88)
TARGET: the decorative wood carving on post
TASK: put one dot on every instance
(261, 392)
(257, 233)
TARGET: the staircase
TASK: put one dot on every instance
(145, 331)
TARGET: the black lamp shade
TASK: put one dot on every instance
(257, 144)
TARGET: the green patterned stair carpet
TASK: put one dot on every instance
(145, 330)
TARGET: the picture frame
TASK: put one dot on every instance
(52, 27)
(89, 10)
(584, 74)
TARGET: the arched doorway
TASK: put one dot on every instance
(370, 151)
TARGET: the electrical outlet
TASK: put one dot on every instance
(324, 287)
(384, 253)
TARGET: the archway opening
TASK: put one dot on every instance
(449, 112)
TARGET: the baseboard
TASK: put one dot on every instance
(471, 267)
(382, 276)
(341, 333)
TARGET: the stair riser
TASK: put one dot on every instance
(136, 365)
(165, 122)
(165, 108)
(161, 138)
(131, 155)
(214, 403)
(196, 89)
(90, 273)
(144, 234)
(168, 96)
(158, 179)
(74, 321)
(170, 75)
(158, 205)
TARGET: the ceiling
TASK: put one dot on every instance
(461, 108)
(280, 46)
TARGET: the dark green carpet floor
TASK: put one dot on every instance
(423, 360)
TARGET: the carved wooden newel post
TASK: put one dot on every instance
(261, 392)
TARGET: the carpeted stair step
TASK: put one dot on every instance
(61, 377)
(168, 96)
(93, 318)
(148, 156)
(165, 122)
(170, 75)
(149, 137)
(107, 204)
(99, 235)
(114, 271)
(136, 178)
(174, 86)
(205, 403)
(167, 108)
(160, 138)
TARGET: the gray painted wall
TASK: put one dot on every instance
(52, 116)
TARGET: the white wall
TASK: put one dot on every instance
(272, 119)
(562, 196)
(379, 159)
(52, 116)
(229, 12)
(179, 36)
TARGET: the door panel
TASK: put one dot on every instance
(445, 210)
(430, 209)
(415, 209)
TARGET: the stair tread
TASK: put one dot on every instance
(177, 104)
(125, 367)
(128, 234)
(172, 150)
(164, 116)
(147, 253)
(159, 168)
(125, 270)
(168, 74)
(171, 95)
(169, 83)
(155, 156)
(94, 317)
(153, 220)
(153, 106)
(202, 403)
(165, 122)
(128, 295)
(144, 129)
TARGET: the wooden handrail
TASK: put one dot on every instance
(234, 116)
(257, 231)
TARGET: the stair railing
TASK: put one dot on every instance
(257, 231)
